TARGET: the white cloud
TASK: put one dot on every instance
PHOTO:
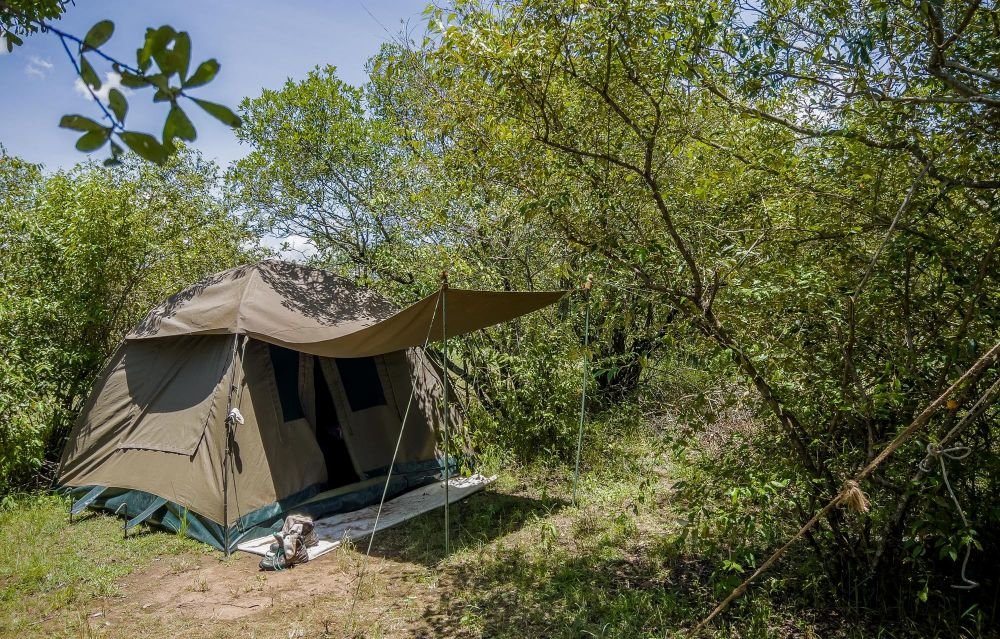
(37, 67)
(112, 80)
(290, 247)
(3, 44)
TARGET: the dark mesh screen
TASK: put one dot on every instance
(361, 382)
(286, 376)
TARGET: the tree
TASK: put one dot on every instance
(795, 196)
(811, 240)
(322, 168)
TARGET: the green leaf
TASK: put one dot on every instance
(12, 41)
(161, 38)
(221, 113)
(92, 140)
(118, 104)
(159, 81)
(152, 48)
(182, 54)
(204, 74)
(143, 55)
(88, 74)
(144, 145)
(178, 125)
(133, 81)
(98, 34)
(79, 123)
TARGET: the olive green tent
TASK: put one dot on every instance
(264, 389)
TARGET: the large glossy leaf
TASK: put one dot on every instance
(145, 145)
(220, 112)
(98, 34)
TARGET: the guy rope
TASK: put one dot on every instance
(583, 383)
(392, 464)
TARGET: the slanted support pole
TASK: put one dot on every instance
(447, 430)
(583, 386)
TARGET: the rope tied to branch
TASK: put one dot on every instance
(852, 497)
(957, 453)
(936, 452)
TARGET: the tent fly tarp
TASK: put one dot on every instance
(266, 389)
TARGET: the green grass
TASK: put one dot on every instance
(527, 563)
(53, 568)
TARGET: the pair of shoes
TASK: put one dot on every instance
(290, 547)
(303, 526)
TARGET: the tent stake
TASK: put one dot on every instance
(447, 433)
(583, 384)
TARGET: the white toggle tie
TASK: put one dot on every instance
(236, 416)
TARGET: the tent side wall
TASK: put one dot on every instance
(152, 423)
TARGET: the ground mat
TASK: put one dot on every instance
(333, 530)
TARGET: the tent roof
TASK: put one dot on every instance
(315, 311)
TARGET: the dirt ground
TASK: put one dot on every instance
(194, 594)
(523, 562)
(405, 592)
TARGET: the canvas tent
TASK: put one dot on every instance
(318, 369)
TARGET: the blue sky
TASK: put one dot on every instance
(259, 44)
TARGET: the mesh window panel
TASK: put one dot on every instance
(286, 377)
(362, 385)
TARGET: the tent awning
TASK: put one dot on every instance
(415, 325)
(317, 312)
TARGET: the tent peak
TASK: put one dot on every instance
(279, 293)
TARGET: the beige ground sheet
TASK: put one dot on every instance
(333, 530)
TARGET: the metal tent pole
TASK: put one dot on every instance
(583, 385)
(447, 431)
(228, 449)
